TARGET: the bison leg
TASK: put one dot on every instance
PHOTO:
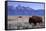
(35, 24)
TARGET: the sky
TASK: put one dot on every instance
(11, 0)
(34, 6)
(28, 0)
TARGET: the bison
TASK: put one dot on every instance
(35, 20)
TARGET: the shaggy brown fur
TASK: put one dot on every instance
(35, 19)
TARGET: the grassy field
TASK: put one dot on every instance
(22, 23)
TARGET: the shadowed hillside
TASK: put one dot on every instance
(22, 10)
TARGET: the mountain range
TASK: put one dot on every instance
(21, 10)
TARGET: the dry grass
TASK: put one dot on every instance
(23, 23)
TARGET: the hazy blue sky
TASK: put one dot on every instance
(11, 0)
(35, 6)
